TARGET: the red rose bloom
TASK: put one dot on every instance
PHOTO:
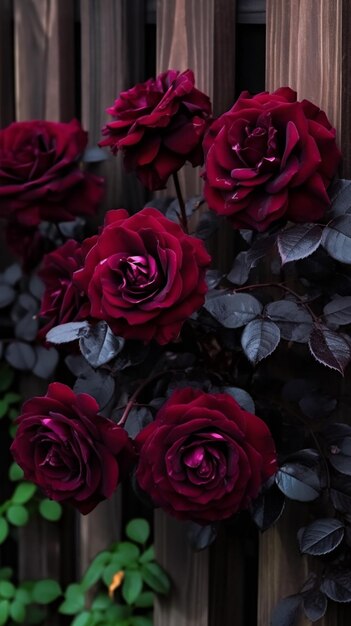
(62, 301)
(159, 125)
(73, 454)
(270, 157)
(40, 177)
(144, 276)
(204, 458)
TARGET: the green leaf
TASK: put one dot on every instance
(7, 589)
(46, 591)
(148, 555)
(155, 577)
(93, 573)
(118, 612)
(6, 377)
(4, 529)
(145, 600)
(6, 573)
(18, 612)
(23, 596)
(109, 573)
(3, 408)
(74, 600)
(101, 602)
(15, 472)
(4, 611)
(50, 510)
(83, 619)
(17, 515)
(127, 552)
(23, 493)
(132, 586)
(12, 398)
(36, 615)
(138, 530)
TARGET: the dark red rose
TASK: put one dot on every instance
(270, 157)
(40, 176)
(62, 301)
(73, 454)
(159, 125)
(204, 458)
(144, 276)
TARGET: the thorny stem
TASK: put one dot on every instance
(284, 288)
(183, 217)
(131, 402)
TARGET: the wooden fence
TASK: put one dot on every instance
(70, 58)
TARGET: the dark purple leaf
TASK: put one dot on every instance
(338, 311)
(299, 482)
(138, 418)
(336, 584)
(336, 239)
(294, 321)
(317, 405)
(268, 507)
(97, 384)
(329, 348)
(340, 492)
(20, 355)
(340, 455)
(287, 611)
(213, 278)
(7, 295)
(315, 604)
(242, 397)
(340, 195)
(298, 242)
(208, 224)
(233, 310)
(201, 537)
(99, 345)
(27, 327)
(12, 274)
(259, 339)
(64, 333)
(46, 362)
(321, 536)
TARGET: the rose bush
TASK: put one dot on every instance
(270, 157)
(62, 300)
(143, 275)
(159, 125)
(40, 177)
(73, 454)
(204, 458)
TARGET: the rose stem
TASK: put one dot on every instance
(134, 396)
(284, 288)
(183, 217)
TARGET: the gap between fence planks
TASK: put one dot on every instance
(308, 49)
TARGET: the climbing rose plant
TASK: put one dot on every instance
(214, 392)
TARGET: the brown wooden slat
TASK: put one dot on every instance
(112, 60)
(187, 604)
(44, 58)
(6, 63)
(200, 35)
(307, 44)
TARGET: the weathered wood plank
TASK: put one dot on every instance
(307, 41)
(200, 35)
(44, 59)
(112, 60)
(6, 63)
(187, 604)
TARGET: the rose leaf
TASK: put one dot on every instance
(259, 339)
(336, 239)
(287, 611)
(329, 348)
(298, 242)
(321, 536)
(315, 604)
(233, 310)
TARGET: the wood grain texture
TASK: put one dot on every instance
(7, 109)
(187, 604)
(304, 49)
(112, 61)
(44, 59)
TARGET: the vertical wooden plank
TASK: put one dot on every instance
(307, 44)
(112, 61)
(200, 35)
(44, 58)
(112, 58)
(6, 63)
